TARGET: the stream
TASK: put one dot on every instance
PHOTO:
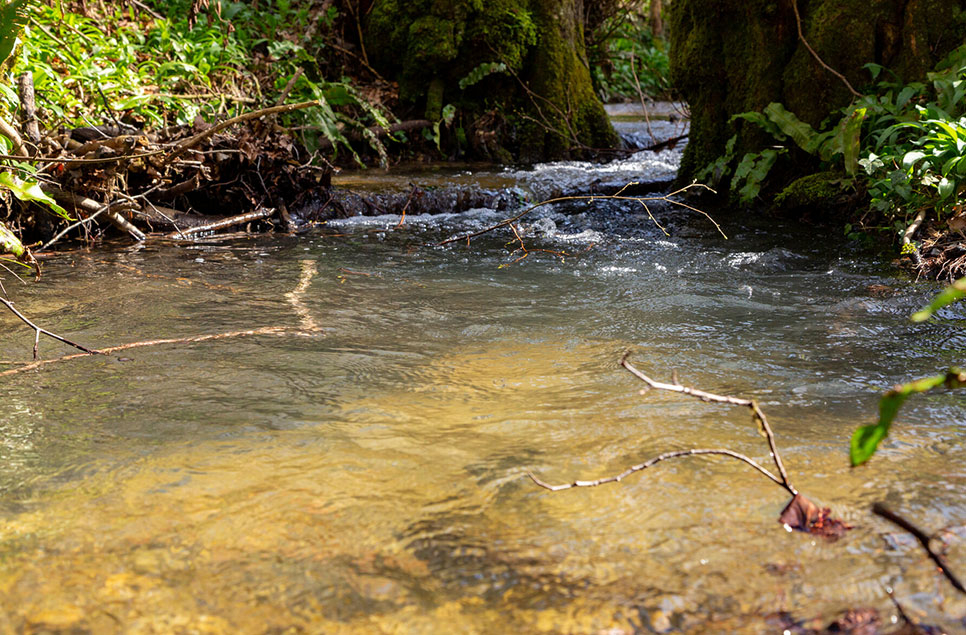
(370, 477)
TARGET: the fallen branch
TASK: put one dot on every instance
(40, 330)
(307, 327)
(907, 245)
(28, 108)
(93, 207)
(643, 200)
(108, 350)
(757, 414)
(231, 221)
(646, 464)
(882, 511)
(800, 513)
(20, 152)
(69, 162)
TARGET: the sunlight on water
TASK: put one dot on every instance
(372, 478)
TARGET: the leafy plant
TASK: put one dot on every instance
(909, 141)
(628, 49)
(953, 293)
(866, 439)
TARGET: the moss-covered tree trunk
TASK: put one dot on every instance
(516, 71)
(729, 57)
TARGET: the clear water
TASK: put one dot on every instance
(371, 478)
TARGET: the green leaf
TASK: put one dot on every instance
(753, 169)
(9, 243)
(481, 71)
(906, 94)
(910, 158)
(952, 293)
(800, 132)
(866, 439)
(29, 190)
(762, 121)
(11, 19)
(946, 188)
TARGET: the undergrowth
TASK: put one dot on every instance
(149, 68)
(903, 144)
(624, 48)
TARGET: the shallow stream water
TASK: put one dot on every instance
(371, 477)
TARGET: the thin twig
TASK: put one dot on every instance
(67, 161)
(640, 96)
(289, 86)
(591, 197)
(882, 511)
(265, 330)
(649, 463)
(67, 229)
(725, 399)
(801, 36)
(910, 233)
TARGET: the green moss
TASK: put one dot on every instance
(815, 191)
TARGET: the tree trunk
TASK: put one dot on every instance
(516, 71)
(657, 18)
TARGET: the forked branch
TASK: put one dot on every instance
(759, 417)
(40, 330)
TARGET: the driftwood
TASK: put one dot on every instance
(118, 174)
(231, 221)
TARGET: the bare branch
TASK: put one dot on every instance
(653, 461)
(38, 330)
(591, 197)
(758, 415)
(801, 36)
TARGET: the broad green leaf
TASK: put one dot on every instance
(800, 132)
(910, 158)
(11, 19)
(906, 94)
(762, 121)
(756, 174)
(950, 130)
(9, 243)
(946, 188)
(952, 293)
(866, 439)
(29, 190)
(744, 167)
